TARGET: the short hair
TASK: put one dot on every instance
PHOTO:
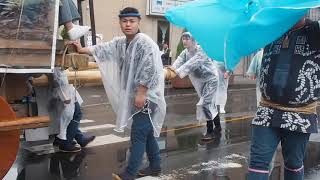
(129, 12)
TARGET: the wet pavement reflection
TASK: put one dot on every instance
(182, 153)
(184, 156)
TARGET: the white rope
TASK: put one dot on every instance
(19, 24)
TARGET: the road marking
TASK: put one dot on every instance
(92, 105)
(183, 128)
(149, 178)
(99, 141)
(96, 96)
(107, 139)
(103, 126)
(83, 121)
(248, 117)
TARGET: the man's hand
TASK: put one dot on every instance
(140, 100)
(141, 97)
(253, 77)
(170, 73)
(226, 75)
(77, 44)
(80, 49)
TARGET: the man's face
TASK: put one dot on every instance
(165, 46)
(187, 42)
(129, 25)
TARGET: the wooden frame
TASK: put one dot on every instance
(32, 62)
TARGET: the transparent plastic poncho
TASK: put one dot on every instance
(222, 93)
(123, 68)
(61, 92)
(204, 77)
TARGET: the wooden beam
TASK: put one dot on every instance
(26, 60)
(25, 123)
(24, 44)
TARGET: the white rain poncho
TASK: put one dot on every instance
(123, 68)
(62, 91)
(203, 75)
(254, 69)
(222, 91)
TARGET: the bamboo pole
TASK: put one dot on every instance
(24, 123)
(93, 65)
(82, 77)
(85, 77)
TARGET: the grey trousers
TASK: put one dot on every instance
(67, 12)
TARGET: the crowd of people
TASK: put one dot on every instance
(133, 70)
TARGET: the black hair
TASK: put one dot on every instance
(129, 12)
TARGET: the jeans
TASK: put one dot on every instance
(68, 12)
(73, 131)
(142, 140)
(264, 142)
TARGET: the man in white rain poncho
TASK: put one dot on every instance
(133, 77)
(193, 62)
(254, 72)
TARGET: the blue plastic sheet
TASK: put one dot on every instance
(230, 29)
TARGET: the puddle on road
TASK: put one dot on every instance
(229, 167)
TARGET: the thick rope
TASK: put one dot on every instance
(307, 109)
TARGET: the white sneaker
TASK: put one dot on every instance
(77, 32)
(222, 111)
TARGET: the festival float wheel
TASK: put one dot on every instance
(9, 140)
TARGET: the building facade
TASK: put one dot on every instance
(153, 22)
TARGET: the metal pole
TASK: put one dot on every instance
(81, 18)
(80, 12)
(93, 24)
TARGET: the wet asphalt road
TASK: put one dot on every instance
(184, 155)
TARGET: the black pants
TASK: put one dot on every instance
(216, 122)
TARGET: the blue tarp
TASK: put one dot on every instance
(230, 29)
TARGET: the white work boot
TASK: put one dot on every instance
(77, 32)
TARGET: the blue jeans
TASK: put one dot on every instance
(68, 12)
(264, 142)
(142, 140)
(73, 131)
